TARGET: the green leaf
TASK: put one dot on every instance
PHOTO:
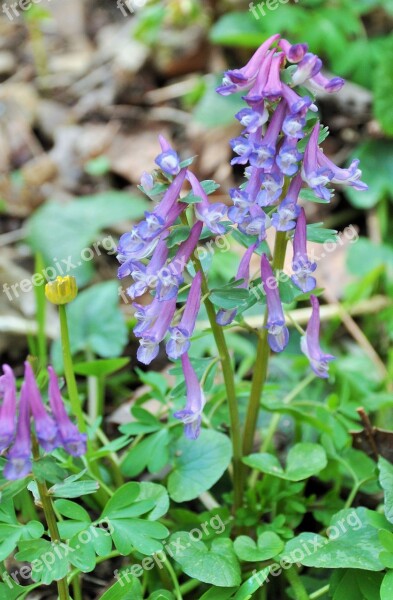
(63, 231)
(47, 564)
(74, 487)
(101, 368)
(198, 464)
(303, 461)
(129, 588)
(237, 29)
(218, 594)
(152, 452)
(267, 547)
(129, 502)
(96, 322)
(317, 233)
(383, 89)
(355, 546)
(217, 565)
(161, 595)
(12, 591)
(376, 162)
(214, 110)
(386, 590)
(252, 585)
(229, 299)
(386, 481)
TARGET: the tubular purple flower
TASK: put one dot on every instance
(19, 463)
(310, 346)
(288, 157)
(256, 95)
(168, 160)
(253, 118)
(242, 79)
(320, 83)
(45, 427)
(308, 67)
(273, 87)
(171, 276)
(315, 176)
(301, 265)
(262, 155)
(293, 126)
(151, 338)
(278, 334)
(226, 316)
(271, 187)
(146, 316)
(255, 223)
(350, 176)
(72, 440)
(243, 147)
(147, 182)
(191, 415)
(297, 105)
(181, 333)
(209, 214)
(288, 211)
(241, 205)
(146, 276)
(8, 408)
(294, 53)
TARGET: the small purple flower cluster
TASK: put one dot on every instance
(52, 432)
(276, 119)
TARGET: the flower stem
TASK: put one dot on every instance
(299, 591)
(69, 370)
(229, 381)
(262, 358)
(50, 518)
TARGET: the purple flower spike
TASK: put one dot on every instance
(297, 105)
(8, 408)
(147, 182)
(294, 53)
(181, 334)
(278, 334)
(243, 147)
(168, 160)
(350, 176)
(308, 67)
(72, 440)
(45, 427)
(271, 187)
(19, 463)
(242, 79)
(256, 95)
(151, 338)
(301, 266)
(288, 157)
(209, 214)
(310, 346)
(315, 176)
(320, 83)
(191, 415)
(255, 223)
(241, 205)
(288, 211)
(225, 317)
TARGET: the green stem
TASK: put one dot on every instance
(76, 589)
(50, 518)
(229, 381)
(173, 576)
(40, 299)
(262, 358)
(69, 370)
(319, 593)
(189, 586)
(296, 584)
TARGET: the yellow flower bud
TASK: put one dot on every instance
(62, 290)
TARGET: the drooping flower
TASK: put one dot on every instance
(315, 176)
(72, 440)
(242, 79)
(301, 265)
(278, 334)
(319, 361)
(288, 211)
(226, 316)
(288, 157)
(294, 53)
(168, 160)
(320, 83)
(150, 338)
(145, 276)
(182, 332)
(45, 427)
(191, 415)
(171, 276)
(308, 67)
(8, 408)
(209, 213)
(19, 463)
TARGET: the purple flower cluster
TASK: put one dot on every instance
(157, 270)
(277, 117)
(52, 431)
